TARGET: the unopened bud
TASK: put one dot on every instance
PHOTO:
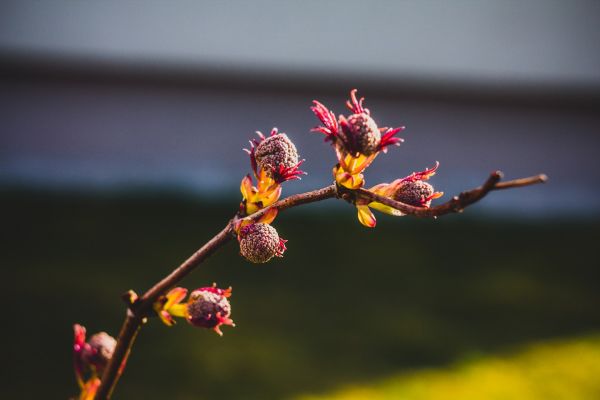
(99, 350)
(416, 193)
(209, 307)
(361, 134)
(274, 152)
(260, 242)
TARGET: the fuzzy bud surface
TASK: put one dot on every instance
(99, 350)
(275, 151)
(208, 308)
(362, 133)
(416, 193)
(259, 243)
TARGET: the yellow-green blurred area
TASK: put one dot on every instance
(552, 370)
(471, 306)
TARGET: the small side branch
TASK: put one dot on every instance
(532, 180)
(186, 267)
(327, 192)
(457, 203)
(137, 311)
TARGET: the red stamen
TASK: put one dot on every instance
(330, 125)
(282, 248)
(356, 106)
(388, 138)
(422, 175)
(283, 174)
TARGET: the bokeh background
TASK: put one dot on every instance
(121, 128)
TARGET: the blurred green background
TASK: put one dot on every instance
(121, 128)
(348, 312)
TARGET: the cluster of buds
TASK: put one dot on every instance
(90, 358)
(274, 160)
(206, 307)
(357, 140)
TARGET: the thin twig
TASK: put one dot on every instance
(327, 192)
(192, 262)
(532, 180)
(457, 203)
(137, 312)
(112, 373)
(140, 308)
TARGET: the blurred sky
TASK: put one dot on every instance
(119, 94)
(534, 41)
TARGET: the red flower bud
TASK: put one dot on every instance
(275, 151)
(91, 356)
(357, 134)
(208, 307)
(360, 134)
(260, 242)
(99, 350)
(276, 156)
(416, 193)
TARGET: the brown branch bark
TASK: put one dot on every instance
(457, 203)
(112, 373)
(296, 200)
(137, 312)
(140, 309)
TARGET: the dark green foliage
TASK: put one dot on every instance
(345, 303)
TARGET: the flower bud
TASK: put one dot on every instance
(98, 351)
(274, 152)
(415, 193)
(260, 242)
(361, 134)
(208, 307)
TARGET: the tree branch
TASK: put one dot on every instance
(140, 309)
(327, 192)
(116, 365)
(457, 203)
